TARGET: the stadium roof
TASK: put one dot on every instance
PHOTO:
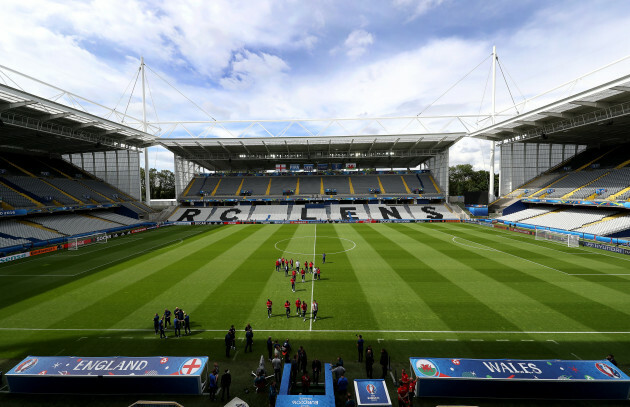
(597, 116)
(382, 151)
(32, 123)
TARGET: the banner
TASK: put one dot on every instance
(606, 247)
(336, 166)
(371, 393)
(281, 167)
(294, 167)
(44, 250)
(351, 166)
(13, 212)
(322, 167)
(14, 257)
(309, 167)
(517, 369)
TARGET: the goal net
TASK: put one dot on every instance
(562, 238)
(75, 242)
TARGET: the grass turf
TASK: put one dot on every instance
(435, 290)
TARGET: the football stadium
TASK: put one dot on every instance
(320, 264)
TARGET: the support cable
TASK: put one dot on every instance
(178, 91)
(455, 84)
(508, 86)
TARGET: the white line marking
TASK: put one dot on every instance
(576, 356)
(499, 231)
(527, 340)
(310, 320)
(379, 340)
(104, 264)
(509, 254)
(234, 358)
(551, 340)
(503, 340)
(425, 339)
(59, 353)
(127, 337)
(306, 237)
(93, 268)
(452, 340)
(488, 248)
(337, 331)
(401, 339)
(477, 340)
(82, 338)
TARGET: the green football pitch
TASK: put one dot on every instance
(431, 290)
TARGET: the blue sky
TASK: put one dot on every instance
(281, 59)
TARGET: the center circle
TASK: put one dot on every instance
(318, 238)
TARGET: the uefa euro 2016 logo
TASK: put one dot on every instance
(370, 388)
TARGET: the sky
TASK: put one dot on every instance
(287, 59)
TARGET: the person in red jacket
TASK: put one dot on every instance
(293, 274)
(298, 305)
(303, 272)
(304, 307)
(278, 265)
(403, 395)
(310, 266)
(287, 307)
(269, 304)
(293, 284)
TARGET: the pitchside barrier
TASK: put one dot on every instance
(109, 375)
(520, 379)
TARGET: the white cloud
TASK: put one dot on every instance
(357, 43)
(92, 48)
(417, 7)
(248, 67)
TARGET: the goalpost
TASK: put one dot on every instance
(75, 242)
(562, 238)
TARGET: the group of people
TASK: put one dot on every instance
(230, 339)
(307, 267)
(180, 320)
(406, 389)
(301, 309)
(213, 383)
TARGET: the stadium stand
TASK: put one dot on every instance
(607, 226)
(393, 184)
(77, 190)
(230, 214)
(41, 191)
(431, 211)
(296, 213)
(106, 190)
(256, 185)
(570, 219)
(570, 184)
(428, 183)
(269, 212)
(114, 217)
(363, 184)
(309, 185)
(609, 184)
(527, 213)
(188, 214)
(229, 186)
(15, 199)
(340, 183)
(27, 230)
(281, 184)
(535, 185)
(383, 212)
(71, 224)
(351, 211)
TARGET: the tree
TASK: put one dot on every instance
(162, 183)
(463, 178)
